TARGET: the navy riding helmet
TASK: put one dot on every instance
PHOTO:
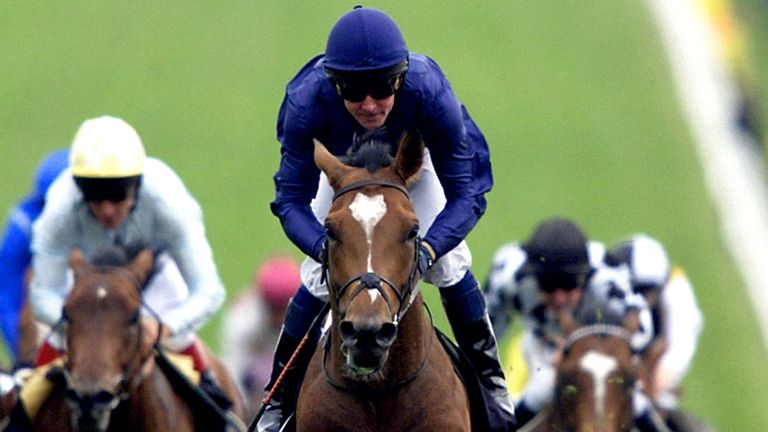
(365, 43)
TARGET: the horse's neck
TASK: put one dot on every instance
(155, 406)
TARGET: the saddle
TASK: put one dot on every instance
(211, 412)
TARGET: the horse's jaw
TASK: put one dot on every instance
(367, 371)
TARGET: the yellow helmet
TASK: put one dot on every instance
(107, 147)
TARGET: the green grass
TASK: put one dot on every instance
(575, 99)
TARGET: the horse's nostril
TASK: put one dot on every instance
(386, 335)
(347, 330)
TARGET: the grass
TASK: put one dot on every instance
(574, 97)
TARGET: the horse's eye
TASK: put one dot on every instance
(413, 232)
(329, 231)
(134, 319)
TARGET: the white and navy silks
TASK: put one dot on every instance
(185, 290)
(510, 290)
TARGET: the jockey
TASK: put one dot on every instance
(368, 86)
(111, 195)
(252, 324)
(553, 271)
(677, 317)
(16, 257)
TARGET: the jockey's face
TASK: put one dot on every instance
(371, 113)
(562, 291)
(110, 214)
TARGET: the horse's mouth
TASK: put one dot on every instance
(365, 365)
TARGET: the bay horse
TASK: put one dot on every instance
(112, 378)
(597, 372)
(383, 367)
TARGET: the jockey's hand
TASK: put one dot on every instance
(153, 330)
(426, 257)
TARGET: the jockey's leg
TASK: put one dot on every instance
(467, 314)
(189, 345)
(647, 419)
(301, 311)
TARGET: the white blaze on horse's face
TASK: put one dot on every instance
(369, 211)
(599, 366)
(101, 293)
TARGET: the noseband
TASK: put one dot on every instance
(370, 280)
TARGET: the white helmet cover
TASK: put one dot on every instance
(649, 263)
(107, 147)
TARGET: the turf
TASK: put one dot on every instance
(575, 99)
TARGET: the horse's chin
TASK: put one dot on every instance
(369, 370)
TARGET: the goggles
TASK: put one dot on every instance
(551, 282)
(109, 189)
(377, 89)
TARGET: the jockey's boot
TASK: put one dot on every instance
(208, 382)
(465, 307)
(301, 311)
(650, 421)
(523, 414)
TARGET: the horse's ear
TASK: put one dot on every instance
(328, 163)
(410, 156)
(141, 265)
(76, 260)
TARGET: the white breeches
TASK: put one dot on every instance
(428, 200)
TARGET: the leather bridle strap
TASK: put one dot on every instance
(370, 182)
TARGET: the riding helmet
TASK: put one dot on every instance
(646, 259)
(365, 42)
(107, 147)
(107, 159)
(277, 280)
(557, 246)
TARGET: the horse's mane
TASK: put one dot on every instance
(371, 155)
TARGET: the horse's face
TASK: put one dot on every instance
(595, 384)
(105, 350)
(371, 253)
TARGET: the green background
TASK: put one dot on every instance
(575, 99)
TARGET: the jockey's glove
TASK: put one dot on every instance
(426, 257)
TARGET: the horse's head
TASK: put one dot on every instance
(373, 236)
(596, 373)
(105, 347)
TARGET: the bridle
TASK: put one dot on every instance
(371, 280)
(597, 329)
(100, 405)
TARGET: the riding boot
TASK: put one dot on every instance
(523, 414)
(650, 421)
(301, 311)
(465, 307)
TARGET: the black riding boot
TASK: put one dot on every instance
(283, 402)
(301, 311)
(478, 342)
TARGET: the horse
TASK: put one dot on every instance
(113, 377)
(382, 367)
(596, 376)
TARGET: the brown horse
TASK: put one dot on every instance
(384, 368)
(112, 380)
(596, 375)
